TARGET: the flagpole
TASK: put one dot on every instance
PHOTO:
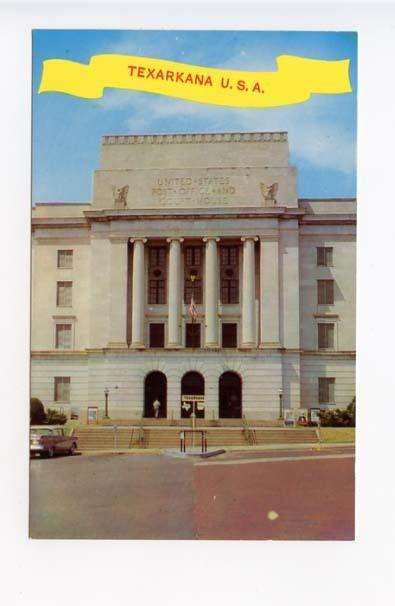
(193, 278)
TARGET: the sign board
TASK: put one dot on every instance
(93, 414)
(302, 417)
(192, 398)
(289, 416)
(315, 415)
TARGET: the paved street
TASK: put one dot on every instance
(260, 495)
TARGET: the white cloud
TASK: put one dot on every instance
(320, 140)
(319, 131)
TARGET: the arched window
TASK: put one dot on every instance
(230, 396)
(155, 390)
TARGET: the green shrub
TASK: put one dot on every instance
(37, 412)
(54, 417)
(339, 417)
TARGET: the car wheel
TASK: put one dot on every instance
(51, 453)
(72, 449)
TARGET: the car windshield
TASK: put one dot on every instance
(41, 432)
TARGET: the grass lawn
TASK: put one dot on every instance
(337, 434)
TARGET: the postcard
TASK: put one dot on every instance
(193, 285)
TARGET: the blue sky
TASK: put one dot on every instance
(67, 130)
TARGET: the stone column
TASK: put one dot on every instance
(211, 292)
(138, 298)
(118, 291)
(174, 302)
(269, 292)
(248, 332)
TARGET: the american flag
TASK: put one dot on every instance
(192, 309)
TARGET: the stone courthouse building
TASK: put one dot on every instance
(195, 278)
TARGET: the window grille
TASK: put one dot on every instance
(229, 256)
(157, 275)
(326, 390)
(326, 336)
(63, 336)
(64, 294)
(65, 259)
(62, 389)
(325, 292)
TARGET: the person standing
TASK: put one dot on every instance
(156, 407)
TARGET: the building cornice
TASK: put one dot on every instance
(239, 137)
(329, 219)
(154, 214)
(198, 352)
(281, 213)
(59, 222)
(344, 354)
(327, 199)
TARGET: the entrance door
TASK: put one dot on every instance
(192, 384)
(155, 390)
(230, 404)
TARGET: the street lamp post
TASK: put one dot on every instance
(280, 395)
(106, 392)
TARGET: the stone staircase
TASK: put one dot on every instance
(164, 437)
(105, 438)
(202, 423)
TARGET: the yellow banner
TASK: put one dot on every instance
(295, 80)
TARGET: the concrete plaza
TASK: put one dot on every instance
(280, 495)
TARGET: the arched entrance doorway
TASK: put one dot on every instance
(192, 384)
(230, 403)
(155, 389)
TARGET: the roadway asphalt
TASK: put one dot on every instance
(261, 495)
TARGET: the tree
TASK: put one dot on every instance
(54, 417)
(37, 412)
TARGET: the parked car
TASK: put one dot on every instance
(48, 440)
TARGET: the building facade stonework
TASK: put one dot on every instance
(195, 270)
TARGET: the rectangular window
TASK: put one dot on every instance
(157, 275)
(65, 259)
(193, 261)
(325, 292)
(326, 334)
(325, 256)
(229, 256)
(63, 336)
(326, 390)
(156, 335)
(62, 389)
(229, 335)
(192, 335)
(64, 294)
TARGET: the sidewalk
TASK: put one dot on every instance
(258, 448)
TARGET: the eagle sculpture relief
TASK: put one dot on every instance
(120, 196)
(269, 193)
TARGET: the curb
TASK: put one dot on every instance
(257, 448)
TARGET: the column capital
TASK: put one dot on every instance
(207, 238)
(171, 239)
(143, 240)
(246, 238)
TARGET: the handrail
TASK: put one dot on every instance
(318, 434)
(141, 439)
(250, 433)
